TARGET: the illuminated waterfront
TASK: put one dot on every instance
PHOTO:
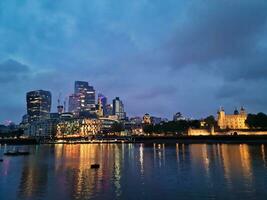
(136, 171)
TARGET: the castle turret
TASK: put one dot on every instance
(236, 112)
(234, 122)
(243, 111)
(221, 118)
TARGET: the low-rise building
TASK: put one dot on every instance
(200, 131)
(78, 127)
(41, 128)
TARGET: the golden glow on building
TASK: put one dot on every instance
(147, 119)
(235, 121)
(78, 127)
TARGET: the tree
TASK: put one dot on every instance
(211, 121)
(257, 120)
(171, 126)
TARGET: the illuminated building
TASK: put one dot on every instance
(43, 127)
(118, 108)
(38, 104)
(103, 100)
(73, 103)
(107, 124)
(86, 95)
(100, 107)
(200, 131)
(235, 121)
(109, 109)
(147, 119)
(136, 125)
(83, 99)
(78, 127)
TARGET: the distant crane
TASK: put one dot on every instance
(60, 107)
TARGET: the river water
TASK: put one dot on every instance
(135, 171)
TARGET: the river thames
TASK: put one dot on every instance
(136, 171)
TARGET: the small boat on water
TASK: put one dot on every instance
(16, 153)
(95, 166)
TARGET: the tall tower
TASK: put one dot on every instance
(83, 98)
(118, 108)
(243, 111)
(104, 101)
(86, 95)
(74, 103)
(221, 118)
(100, 112)
(38, 104)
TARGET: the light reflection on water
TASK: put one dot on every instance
(136, 171)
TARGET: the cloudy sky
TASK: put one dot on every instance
(158, 56)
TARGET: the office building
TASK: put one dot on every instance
(38, 105)
(118, 108)
(103, 101)
(78, 127)
(74, 103)
(109, 110)
(83, 99)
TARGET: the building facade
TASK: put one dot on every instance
(83, 99)
(234, 121)
(118, 108)
(147, 119)
(45, 127)
(109, 110)
(78, 127)
(73, 103)
(103, 101)
(38, 105)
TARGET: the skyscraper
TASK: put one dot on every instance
(109, 109)
(83, 99)
(73, 103)
(118, 108)
(99, 110)
(86, 95)
(103, 100)
(38, 104)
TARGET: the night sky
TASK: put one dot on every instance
(158, 56)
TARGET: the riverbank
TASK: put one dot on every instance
(227, 139)
(18, 141)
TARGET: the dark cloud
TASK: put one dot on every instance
(158, 56)
(156, 92)
(11, 70)
(215, 31)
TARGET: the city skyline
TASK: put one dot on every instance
(159, 58)
(62, 105)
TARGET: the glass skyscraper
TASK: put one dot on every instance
(38, 104)
(118, 108)
(103, 99)
(83, 98)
